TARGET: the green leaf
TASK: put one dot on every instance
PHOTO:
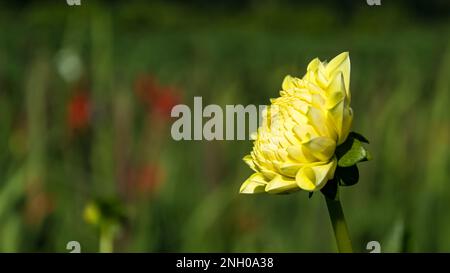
(348, 175)
(351, 152)
(358, 137)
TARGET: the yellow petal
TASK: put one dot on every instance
(281, 184)
(310, 76)
(336, 117)
(299, 155)
(313, 178)
(289, 82)
(346, 124)
(304, 132)
(341, 117)
(340, 63)
(321, 148)
(254, 184)
(291, 138)
(290, 169)
(318, 119)
(248, 159)
(268, 174)
(336, 91)
(313, 65)
(321, 77)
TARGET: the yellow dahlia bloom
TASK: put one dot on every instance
(295, 146)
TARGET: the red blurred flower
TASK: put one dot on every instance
(247, 222)
(167, 99)
(146, 88)
(158, 98)
(79, 111)
(37, 207)
(146, 179)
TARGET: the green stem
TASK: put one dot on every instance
(106, 239)
(339, 225)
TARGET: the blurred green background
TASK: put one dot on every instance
(85, 146)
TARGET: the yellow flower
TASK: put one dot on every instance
(295, 146)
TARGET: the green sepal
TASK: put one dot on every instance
(359, 137)
(330, 190)
(352, 151)
(348, 176)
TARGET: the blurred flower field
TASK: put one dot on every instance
(85, 147)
